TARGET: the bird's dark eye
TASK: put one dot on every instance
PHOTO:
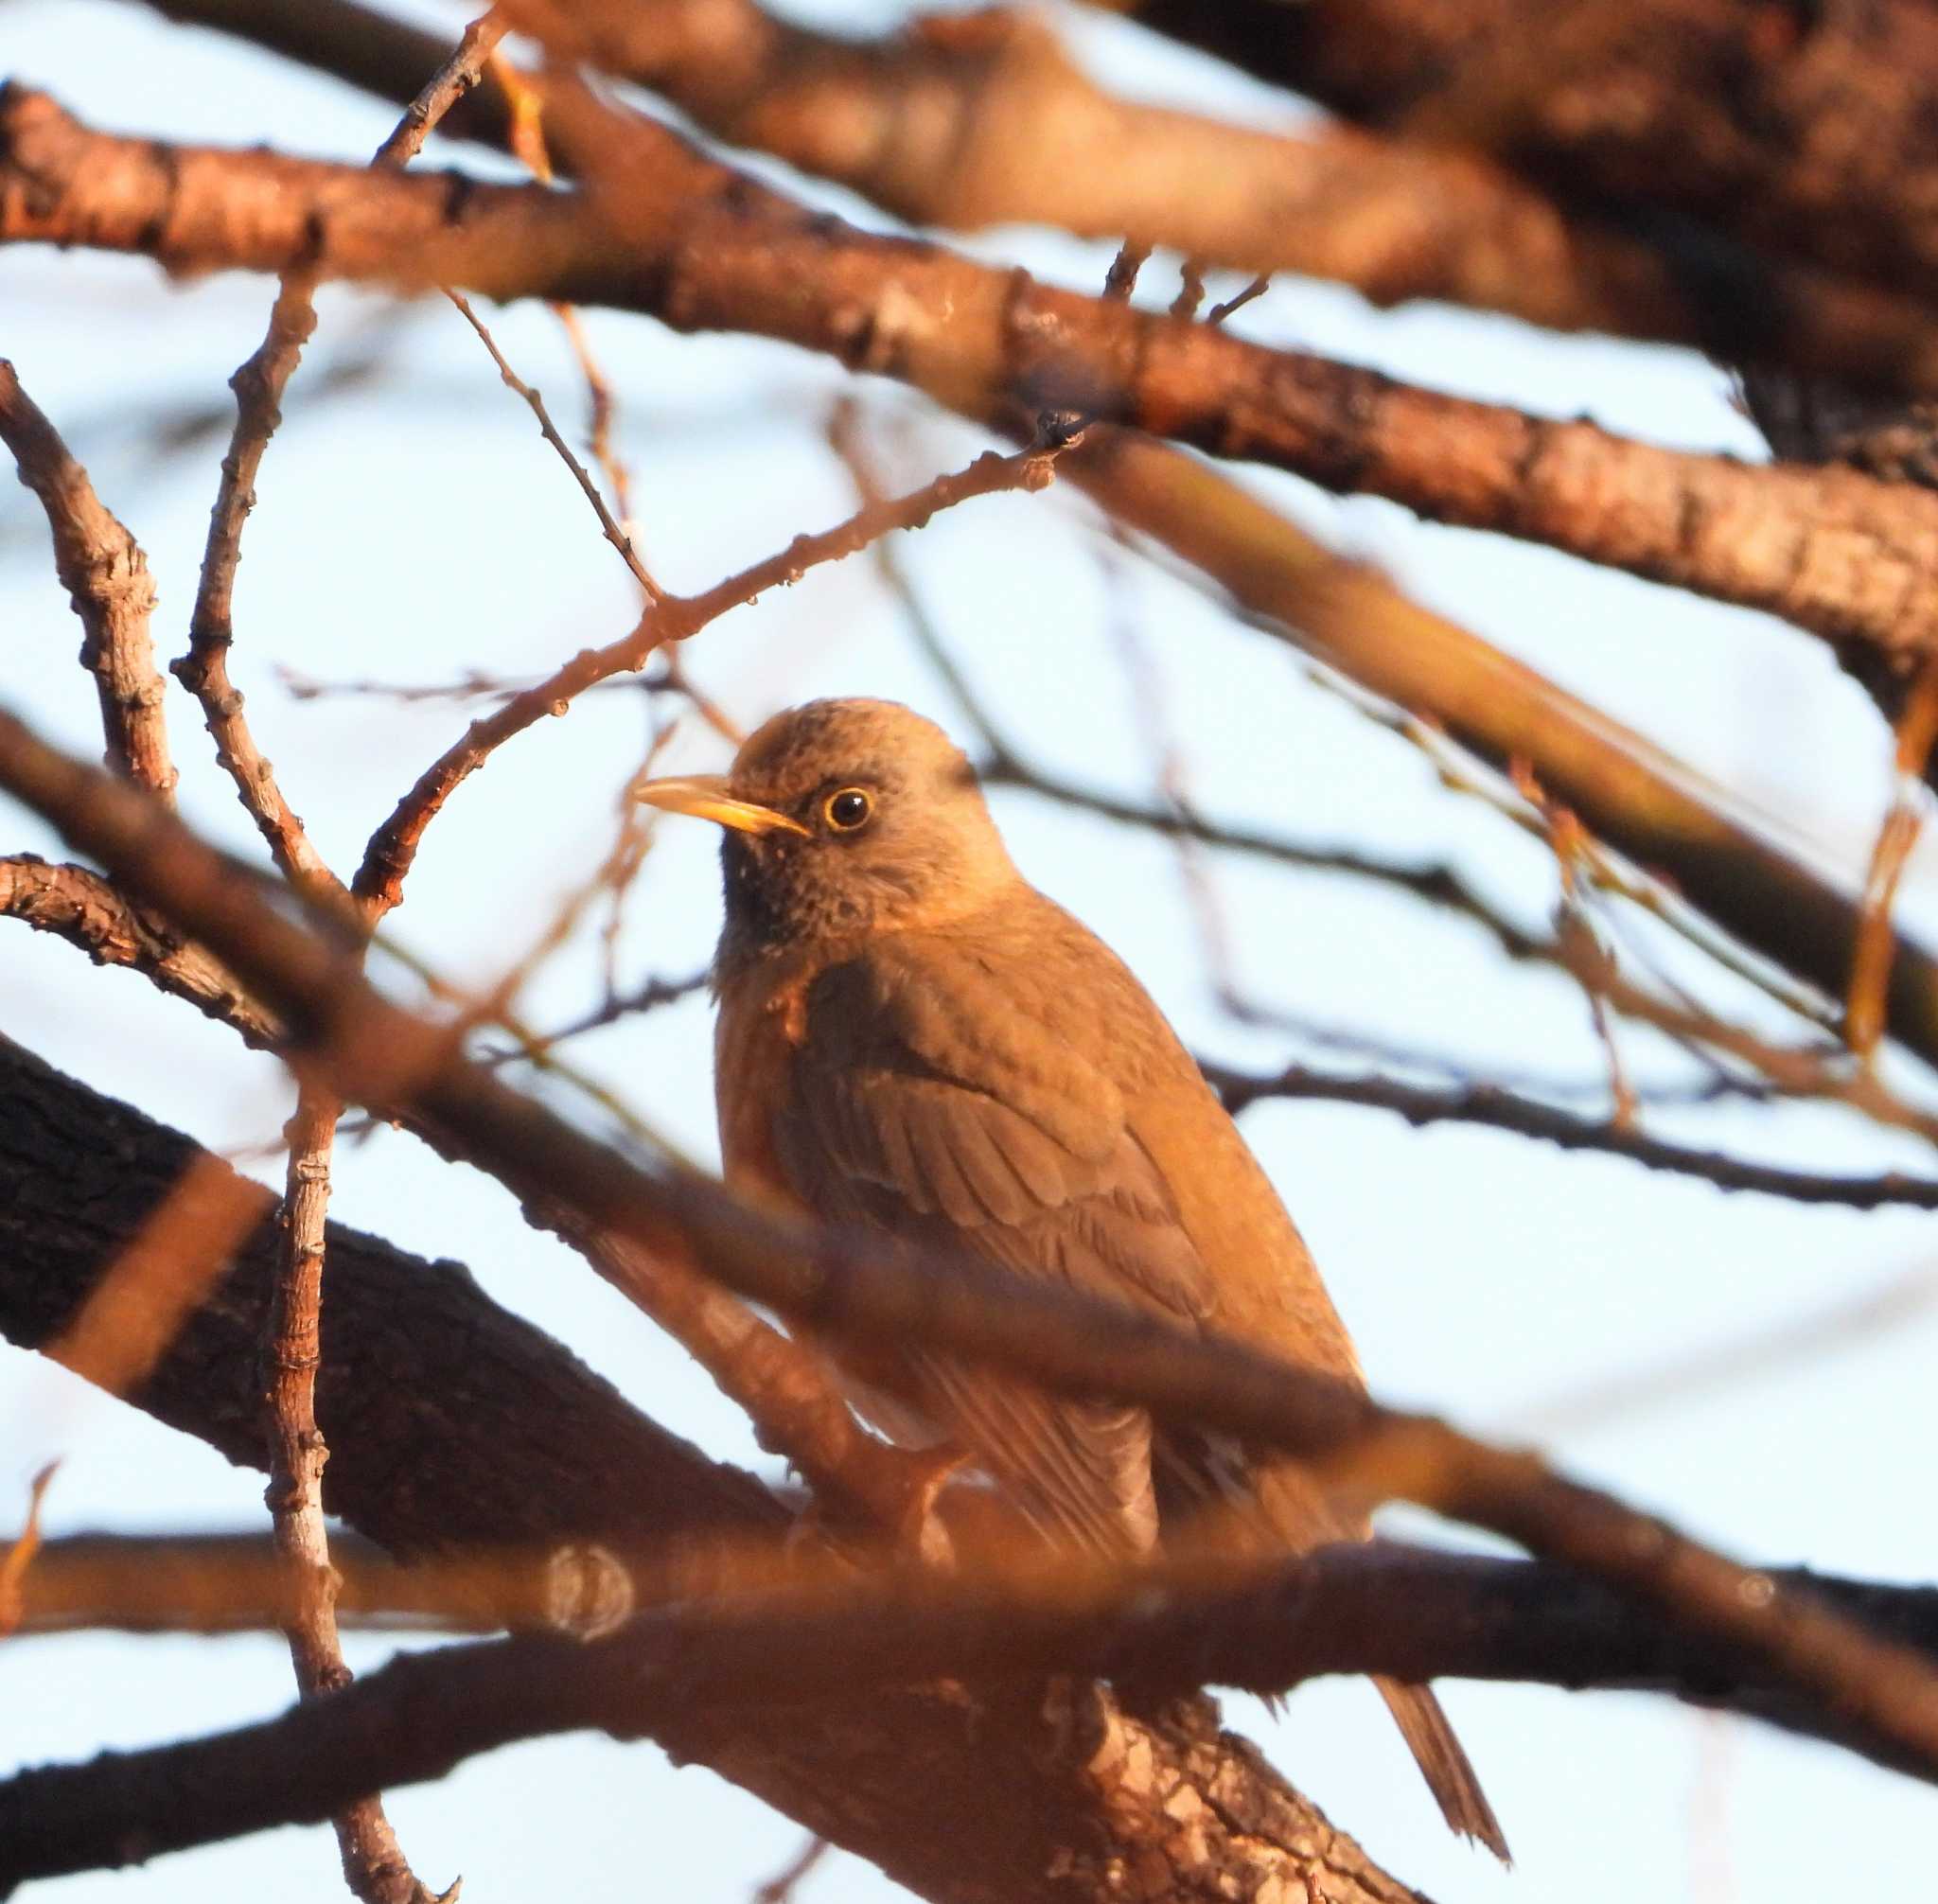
(849, 810)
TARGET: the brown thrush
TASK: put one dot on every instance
(912, 1037)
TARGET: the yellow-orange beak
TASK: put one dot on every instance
(705, 796)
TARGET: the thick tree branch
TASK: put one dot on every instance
(1811, 131)
(1416, 1613)
(700, 246)
(1808, 421)
(980, 120)
(973, 120)
(853, 1284)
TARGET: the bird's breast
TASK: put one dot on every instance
(760, 1026)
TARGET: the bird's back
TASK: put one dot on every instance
(1065, 981)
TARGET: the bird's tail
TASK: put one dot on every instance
(1443, 1763)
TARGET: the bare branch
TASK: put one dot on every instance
(613, 533)
(105, 573)
(80, 907)
(1416, 1612)
(258, 384)
(1916, 729)
(20, 1555)
(456, 74)
(1165, 1629)
(1219, 313)
(1489, 1105)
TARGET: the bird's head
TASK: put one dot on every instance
(843, 817)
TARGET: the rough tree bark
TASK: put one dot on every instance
(1809, 129)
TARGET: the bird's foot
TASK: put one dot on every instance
(893, 1502)
(921, 1534)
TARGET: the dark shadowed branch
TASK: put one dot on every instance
(1164, 1629)
(1415, 1613)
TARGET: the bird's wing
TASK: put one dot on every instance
(919, 1111)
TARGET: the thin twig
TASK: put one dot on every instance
(1258, 288)
(474, 684)
(1821, 1072)
(613, 532)
(446, 87)
(1487, 1104)
(671, 619)
(528, 144)
(291, 1351)
(204, 670)
(1324, 1031)
(1568, 842)
(20, 1555)
(1917, 728)
(779, 1888)
(1460, 770)
(1121, 280)
(649, 996)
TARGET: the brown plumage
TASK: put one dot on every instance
(911, 1036)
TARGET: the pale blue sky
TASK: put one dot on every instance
(417, 528)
